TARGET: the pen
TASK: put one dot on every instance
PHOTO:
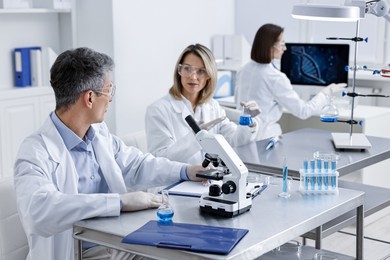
(253, 190)
(259, 191)
(272, 142)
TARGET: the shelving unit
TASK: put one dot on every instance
(54, 28)
(33, 11)
(23, 109)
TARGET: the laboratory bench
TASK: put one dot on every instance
(301, 144)
(297, 145)
(272, 221)
(309, 216)
(374, 119)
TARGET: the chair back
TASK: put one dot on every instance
(13, 241)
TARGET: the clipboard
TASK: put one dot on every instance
(191, 237)
(196, 189)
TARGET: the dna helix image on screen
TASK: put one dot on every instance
(315, 64)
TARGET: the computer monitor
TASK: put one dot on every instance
(315, 63)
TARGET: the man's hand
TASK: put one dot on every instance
(139, 200)
(250, 108)
(192, 170)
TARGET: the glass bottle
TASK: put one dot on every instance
(165, 212)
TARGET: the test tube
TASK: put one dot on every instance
(305, 169)
(333, 178)
(319, 177)
(326, 171)
(312, 179)
(305, 165)
(319, 165)
(312, 165)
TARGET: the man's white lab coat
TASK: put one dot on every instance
(46, 186)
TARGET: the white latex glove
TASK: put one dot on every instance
(250, 108)
(333, 88)
(139, 200)
(192, 170)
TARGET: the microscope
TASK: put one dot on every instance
(229, 199)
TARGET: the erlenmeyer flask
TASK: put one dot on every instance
(329, 112)
(165, 212)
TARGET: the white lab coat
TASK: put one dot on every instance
(169, 135)
(273, 92)
(46, 186)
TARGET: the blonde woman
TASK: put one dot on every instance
(194, 82)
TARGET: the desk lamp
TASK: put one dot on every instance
(352, 11)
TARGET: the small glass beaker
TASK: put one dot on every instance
(286, 187)
(165, 211)
(324, 256)
(292, 249)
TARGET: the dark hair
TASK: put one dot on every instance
(265, 39)
(76, 71)
(208, 59)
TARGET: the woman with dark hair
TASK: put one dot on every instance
(261, 81)
(194, 81)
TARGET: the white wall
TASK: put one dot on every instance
(149, 36)
(251, 14)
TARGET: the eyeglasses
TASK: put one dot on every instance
(108, 91)
(187, 71)
(280, 45)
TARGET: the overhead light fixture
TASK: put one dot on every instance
(326, 12)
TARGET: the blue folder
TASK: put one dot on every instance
(198, 238)
(22, 66)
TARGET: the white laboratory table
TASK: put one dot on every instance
(375, 120)
(272, 221)
(301, 144)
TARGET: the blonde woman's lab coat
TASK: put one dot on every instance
(46, 186)
(169, 135)
(274, 94)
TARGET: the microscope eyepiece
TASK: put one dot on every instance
(191, 122)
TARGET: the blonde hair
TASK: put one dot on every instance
(211, 67)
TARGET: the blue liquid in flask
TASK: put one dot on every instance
(328, 119)
(165, 215)
(165, 211)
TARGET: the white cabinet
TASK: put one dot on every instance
(19, 117)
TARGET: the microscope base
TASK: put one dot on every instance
(224, 208)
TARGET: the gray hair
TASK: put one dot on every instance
(76, 71)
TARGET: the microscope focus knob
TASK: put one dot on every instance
(228, 187)
(214, 190)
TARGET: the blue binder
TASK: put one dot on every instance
(198, 238)
(22, 66)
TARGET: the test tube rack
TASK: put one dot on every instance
(318, 182)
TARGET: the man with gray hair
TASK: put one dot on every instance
(73, 168)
